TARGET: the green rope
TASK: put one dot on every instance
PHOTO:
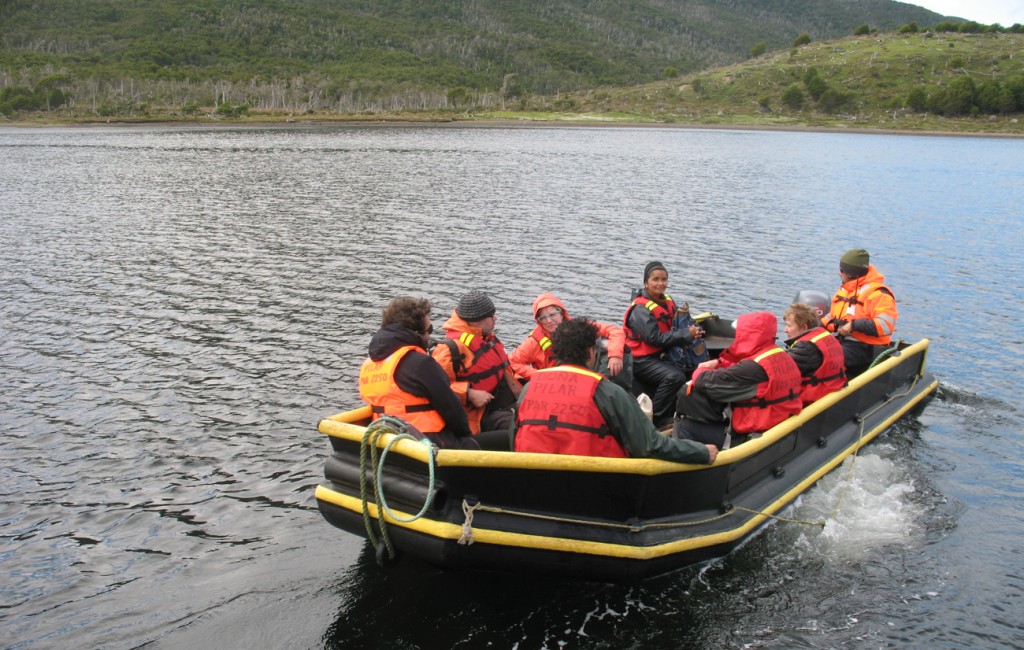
(371, 465)
(885, 354)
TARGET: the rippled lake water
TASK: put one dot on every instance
(179, 306)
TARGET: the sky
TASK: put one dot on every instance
(986, 12)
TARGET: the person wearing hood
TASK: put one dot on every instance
(649, 335)
(475, 361)
(570, 409)
(534, 353)
(753, 378)
(817, 354)
(863, 312)
(399, 379)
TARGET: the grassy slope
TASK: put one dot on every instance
(877, 71)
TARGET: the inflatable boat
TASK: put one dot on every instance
(600, 519)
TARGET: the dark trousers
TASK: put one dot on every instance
(858, 355)
(665, 378)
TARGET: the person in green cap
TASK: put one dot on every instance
(863, 312)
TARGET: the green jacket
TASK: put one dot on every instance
(630, 425)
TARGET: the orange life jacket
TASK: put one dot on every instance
(831, 375)
(866, 297)
(377, 387)
(559, 416)
(544, 343)
(663, 315)
(776, 399)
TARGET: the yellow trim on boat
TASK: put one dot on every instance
(445, 530)
(343, 425)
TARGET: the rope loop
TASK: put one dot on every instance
(466, 538)
(372, 466)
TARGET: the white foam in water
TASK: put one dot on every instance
(871, 493)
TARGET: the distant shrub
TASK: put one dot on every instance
(909, 28)
(758, 50)
(802, 39)
(698, 86)
(816, 87)
(995, 98)
(670, 72)
(958, 98)
(862, 30)
(947, 26)
(793, 97)
(833, 101)
(18, 98)
(917, 100)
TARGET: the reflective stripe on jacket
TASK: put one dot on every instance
(377, 387)
(484, 366)
(558, 415)
(865, 297)
(777, 399)
(831, 374)
(663, 316)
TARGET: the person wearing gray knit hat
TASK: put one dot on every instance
(475, 306)
(478, 367)
(863, 313)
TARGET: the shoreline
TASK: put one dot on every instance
(489, 122)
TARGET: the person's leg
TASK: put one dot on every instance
(494, 440)
(708, 433)
(667, 380)
(858, 356)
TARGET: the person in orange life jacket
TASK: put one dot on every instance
(570, 409)
(534, 353)
(478, 367)
(753, 377)
(400, 379)
(863, 311)
(649, 334)
(817, 354)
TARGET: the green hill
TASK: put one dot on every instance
(125, 58)
(914, 81)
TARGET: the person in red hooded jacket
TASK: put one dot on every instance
(752, 386)
(534, 353)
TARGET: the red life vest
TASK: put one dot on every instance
(663, 316)
(831, 375)
(486, 370)
(544, 343)
(559, 416)
(377, 387)
(776, 399)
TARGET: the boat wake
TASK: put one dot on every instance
(865, 504)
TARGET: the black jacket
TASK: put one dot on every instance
(418, 374)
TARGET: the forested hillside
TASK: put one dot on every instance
(119, 57)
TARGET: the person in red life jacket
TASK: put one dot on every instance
(475, 361)
(753, 377)
(570, 409)
(649, 335)
(534, 353)
(817, 354)
(400, 379)
(863, 311)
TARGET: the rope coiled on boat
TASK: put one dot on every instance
(372, 465)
